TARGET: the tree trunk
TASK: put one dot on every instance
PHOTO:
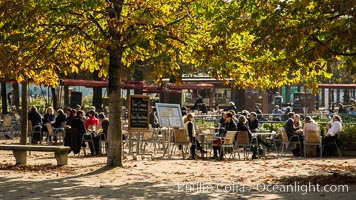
(66, 96)
(115, 134)
(54, 98)
(4, 97)
(115, 73)
(97, 97)
(24, 117)
(97, 93)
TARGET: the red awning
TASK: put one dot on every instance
(103, 83)
(137, 85)
(196, 86)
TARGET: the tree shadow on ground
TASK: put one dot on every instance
(76, 187)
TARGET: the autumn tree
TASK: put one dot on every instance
(263, 44)
(270, 43)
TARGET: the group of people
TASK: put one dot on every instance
(76, 121)
(246, 121)
(296, 132)
(229, 121)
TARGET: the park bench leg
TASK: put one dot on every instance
(62, 158)
(20, 157)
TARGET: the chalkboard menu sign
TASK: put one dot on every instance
(75, 99)
(138, 115)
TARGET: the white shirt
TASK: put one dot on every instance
(336, 128)
(312, 126)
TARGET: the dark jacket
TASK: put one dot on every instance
(48, 118)
(35, 118)
(61, 118)
(288, 127)
(243, 127)
(253, 125)
(76, 133)
(229, 126)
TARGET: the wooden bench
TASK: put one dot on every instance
(20, 152)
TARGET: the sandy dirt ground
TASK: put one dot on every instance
(177, 178)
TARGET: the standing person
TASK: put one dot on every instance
(154, 118)
(192, 136)
(71, 116)
(216, 109)
(335, 127)
(92, 120)
(184, 111)
(36, 120)
(76, 133)
(203, 108)
(10, 96)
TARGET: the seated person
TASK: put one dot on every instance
(59, 120)
(291, 131)
(311, 125)
(253, 121)
(104, 125)
(242, 126)
(230, 125)
(277, 113)
(92, 120)
(335, 127)
(298, 124)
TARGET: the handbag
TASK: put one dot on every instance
(217, 142)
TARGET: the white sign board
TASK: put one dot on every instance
(169, 115)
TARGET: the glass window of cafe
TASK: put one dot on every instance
(209, 96)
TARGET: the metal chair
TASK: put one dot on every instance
(228, 142)
(148, 137)
(244, 141)
(313, 138)
(32, 130)
(286, 142)
(88, 137)
(6, 126)
(334, 142)
(55, 132)
(181, 138)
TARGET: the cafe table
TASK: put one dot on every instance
(261, 133)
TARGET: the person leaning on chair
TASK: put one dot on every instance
(291, 131)
(192, 136)
(36, 120)
(335, 127)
